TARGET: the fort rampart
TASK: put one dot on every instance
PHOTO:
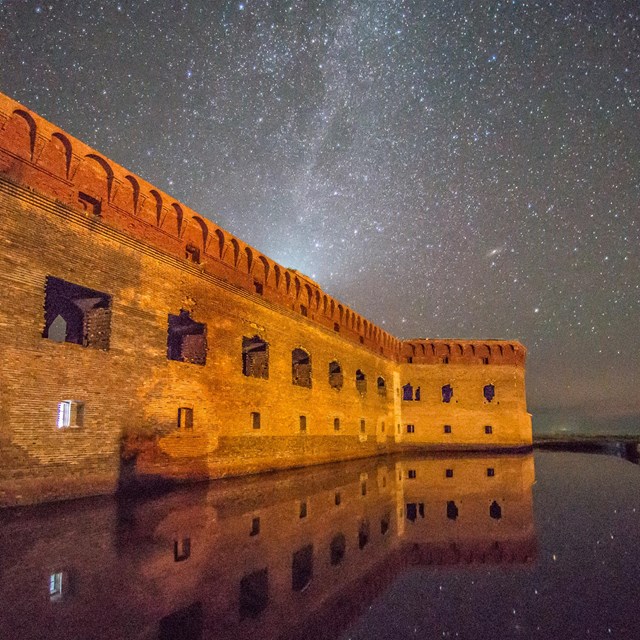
(142, 341)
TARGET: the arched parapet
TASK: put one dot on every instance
(277, 276)
(56, 155)
(150, 208)
(172, 219)
(195, 238)
(263, 272)
(19, 134)
(93, 180)
(127, 195)
(220, 241)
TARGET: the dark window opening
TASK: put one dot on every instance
(336, 327)
(185, 418)
(382, 387)
(255, 357)
(417, 394)
(485, 360)
(489, 392)
(255, 527)
(407, 392)
(303, 423)
(491, 472)
(445, 360)
(258, 287)
(361, 340)
(448, 473)
(335, 375)
(384, 523)
(337, 549)
(336, 424)
(411, 428)
(447, 428)
(302, 568)
(301, 368)
(363, 534)
(361, 381)
(254, 594)
(255, 420)
(76, 314)
(187, 339)
(303, 310)
(185, 624)
(192, 253)
(488, 429)
(410, 359)
(181, 549)
(338, 498)
(412, 511)
(363, 488)
(303, 510)
(363, 426)
(411, 474)
(452, 510)
(495, 510)
(421, 509)
(89, 203)
(382, 427)
(447, 393)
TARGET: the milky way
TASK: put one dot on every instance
(448, 169)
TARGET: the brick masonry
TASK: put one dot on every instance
(69, 213)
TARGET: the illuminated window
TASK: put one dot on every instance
(70, 414)
(55, 586)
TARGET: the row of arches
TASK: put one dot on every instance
(445, 352)
(106, 189)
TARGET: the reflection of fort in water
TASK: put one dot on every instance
(261, 556)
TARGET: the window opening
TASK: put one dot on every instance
(254, 594)
(363, 534)
(411, 474)
(417, 394)
(338, 499)
(448, 473)
(185, 418)
(491, 472)
(303, 423)
(447, 393)
(302, 568)
(258, 287)
(255, 420)
(255, 357)
(303, 510)
(363, 425)
(411, 428)
(192, 253)
(489, 392)
(70, 414)
(255, 527)
(382, 387)
(335, 375)
(452, 510)
(407, 392)
(187, 339)
(336, 424)
(337, 549)
(181, 549)
(384, 523)
(186, 624)
(301, 368)
(488, 429)
(447, 428)
(76, 314)
(495, 510)
(361, 381)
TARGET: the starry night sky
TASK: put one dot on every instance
(446, 168)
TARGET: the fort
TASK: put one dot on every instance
(142, 342)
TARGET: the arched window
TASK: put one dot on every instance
(382, 387)
(489, 392)
(255, 357)
(335, 375)
(447, 393)
(361, 381)
(407, 392)
(301, 368)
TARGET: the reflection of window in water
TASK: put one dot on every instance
(185, 624)
(384, 523)
(302, 568)
(337, 548)
(363, 534)
(254, 594)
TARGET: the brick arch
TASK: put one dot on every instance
(332, 308)
(309, 295)
(248, 255)
(172, 219)
(56, 155)
(235, 252)
(317, 299)
(94, 177)
(277, 272)
(264, 270)
(151, 209)
(196, 233)
(221, 242)
(287, 282)
(19, 134)
(341, 313)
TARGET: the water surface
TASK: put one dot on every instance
(476, 546)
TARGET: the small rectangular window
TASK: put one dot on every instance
(70, 414)
(303, 310)
(488, 429)
(448, 473)
(336, 424)
(55, 586)
(382, 427)
(185, 418)
(491, 472)
(445, 360)
(303, 423)
(411, 474)
(338, 498)
(411, 428)
(255, 420)
(363, 425)
(447, 428)
(255, 527)
(181, 549)
(485, 360)
(303, 509)
(363, 488)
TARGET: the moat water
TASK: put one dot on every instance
(478, 546)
